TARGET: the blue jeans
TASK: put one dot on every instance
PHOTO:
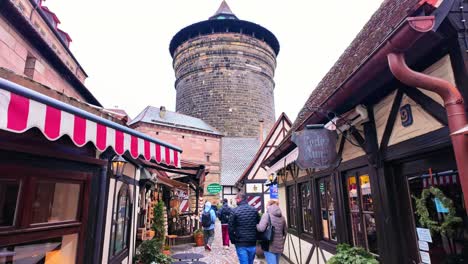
(246, 255)
(272, 258)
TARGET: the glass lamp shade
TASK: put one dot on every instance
(118, 165)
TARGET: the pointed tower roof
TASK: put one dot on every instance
(224, 12)
(224, 21)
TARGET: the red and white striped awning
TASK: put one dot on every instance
(19, 113)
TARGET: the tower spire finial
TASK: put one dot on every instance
(223, 12)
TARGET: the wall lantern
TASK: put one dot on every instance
(118, 165)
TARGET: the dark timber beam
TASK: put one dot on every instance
(391, 120)
(435, 109)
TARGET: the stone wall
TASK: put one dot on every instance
(226, 79)
(15, 52)
(199, 148)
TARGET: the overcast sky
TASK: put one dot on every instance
(123, 45)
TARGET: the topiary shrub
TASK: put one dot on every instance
(158, 223)
(346, 254)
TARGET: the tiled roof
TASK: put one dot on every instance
(236, 154)
(152, 115)
(389, 15)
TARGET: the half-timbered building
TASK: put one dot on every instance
(396, 127)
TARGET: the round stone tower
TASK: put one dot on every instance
(224, 71)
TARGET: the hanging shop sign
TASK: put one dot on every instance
(274, 191)
(214, 188)
(253, 188)
(317, 147)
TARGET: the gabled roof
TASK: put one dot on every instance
(275, 136)
(380, 26)
(152, 115)
(382, 23)
(223, 12)
(236, 153)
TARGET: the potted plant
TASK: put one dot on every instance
(166, 250)
(347, 254)
(147, 251)
(199, 238)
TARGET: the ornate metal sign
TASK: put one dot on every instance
(317, 147)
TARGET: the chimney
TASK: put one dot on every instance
(260, 131)
(162, 112)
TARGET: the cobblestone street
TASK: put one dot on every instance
(217, 255)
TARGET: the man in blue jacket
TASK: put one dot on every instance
(208, 220)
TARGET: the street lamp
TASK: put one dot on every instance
(118, 165)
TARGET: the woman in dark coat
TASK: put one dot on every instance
(272, 255)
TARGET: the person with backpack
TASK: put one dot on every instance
(208, 220)
(273, 217)
(223, 214)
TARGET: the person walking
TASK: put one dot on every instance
(224, 214)
(276, 246)
(243, 229)
(208, 223)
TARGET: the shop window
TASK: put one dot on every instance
(306, 207)
(361, 212)
(452, 245)
(121, 221)
(55, 202)
(327, 208)
(49, 251)
(9, 190)
(292, 206)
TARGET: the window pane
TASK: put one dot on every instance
(121, 220)
(8, 198)
(332, 225)
(366, 199)
(353, 194)
(361, 212)
(55, 202)
(292, 207)
(327, 207)
(50, 251)
(371, 232)
(358, 232)
(306, 208)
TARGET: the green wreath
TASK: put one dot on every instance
(447, 227)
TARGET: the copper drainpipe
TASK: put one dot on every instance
(454, 106)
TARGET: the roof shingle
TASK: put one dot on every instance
(389, 15)
(236, 155)
(152, 115)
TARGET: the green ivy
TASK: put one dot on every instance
(346, 254)
(447, 227)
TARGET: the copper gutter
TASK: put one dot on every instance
(454, 106)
